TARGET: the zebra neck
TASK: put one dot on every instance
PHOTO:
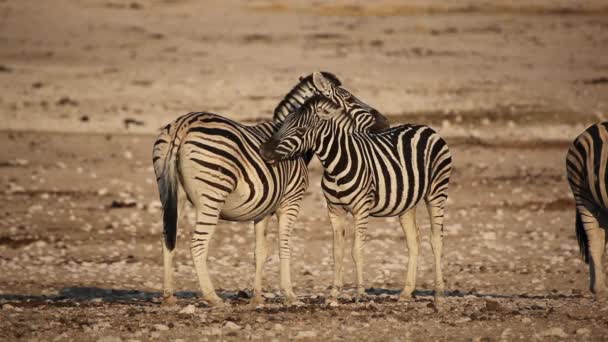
(331, 147)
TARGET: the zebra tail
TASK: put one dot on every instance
(581, 236)
(167, 179)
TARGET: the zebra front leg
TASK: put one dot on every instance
(261, 253)
(206, 221)
(337, 218)
(596, 237)
(436, 216)
(410, 230)
(169, 241)
(361, 222)
(286, 220)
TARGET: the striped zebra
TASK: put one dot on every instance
(369, 174)
(214, 163)
(586, 166)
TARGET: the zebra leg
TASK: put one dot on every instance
(337, 218)
(410, 230)
(361, 222)
(286, 220)
(596, 237)
(261, 253)
(436, 216)
(168, 290)
(206, 221)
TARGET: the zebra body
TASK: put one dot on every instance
(214, 163)
(587, 166)
(370, 174)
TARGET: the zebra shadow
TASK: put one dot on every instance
(73, 296)
(428, 294)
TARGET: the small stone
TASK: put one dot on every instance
(161, 327)
(305, 334)
(231, 326)
(583, 332)
(492, 305)
(279, 327)
(189, 309)
(553, 332)
(7, 307)
(109, 339)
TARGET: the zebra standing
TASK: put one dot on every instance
(213, 162)
(586, 166)
(367, 174)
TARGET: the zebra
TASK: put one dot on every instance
(369, 174)
(213, 163)
(586, 167)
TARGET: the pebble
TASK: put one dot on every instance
(553, 332)
(189, 309)
(231, 326)
(583, 332)
(109, 339)
(305, 334)
(7, 307)
(161, 327)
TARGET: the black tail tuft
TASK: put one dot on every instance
(170, 213)
(581, 236)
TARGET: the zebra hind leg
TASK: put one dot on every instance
(436, 214)
(261, 253)
(410, 230)
(596, 243)
(207, 217)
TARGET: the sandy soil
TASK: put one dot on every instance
(85, 85)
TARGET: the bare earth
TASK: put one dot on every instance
(85, 84)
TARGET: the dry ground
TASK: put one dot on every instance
(85, 84)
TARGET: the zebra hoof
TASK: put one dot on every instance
(215, 302)
(405, 297)
(257, 300)
(169, 301)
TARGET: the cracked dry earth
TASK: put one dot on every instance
(80, 255)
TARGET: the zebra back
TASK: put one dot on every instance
(296, 97)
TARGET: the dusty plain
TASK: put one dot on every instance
(85, 85)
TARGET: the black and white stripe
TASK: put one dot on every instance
(367, 174)
(214, 163)
(586, 166)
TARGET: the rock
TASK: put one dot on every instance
(305, 334)
(231, 326)
(109, 339)
(492, 305)
(553, 332)
(583, 332)
(279, 327)
(161, 327)
(189, 309)
(7, 307)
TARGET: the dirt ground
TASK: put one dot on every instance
(84, 86)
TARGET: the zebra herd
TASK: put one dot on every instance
(234, 172)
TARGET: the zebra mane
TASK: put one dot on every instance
(298, 95)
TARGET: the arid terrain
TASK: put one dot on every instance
(85, 85)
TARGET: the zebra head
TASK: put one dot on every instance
(296, 135)
(366, 118)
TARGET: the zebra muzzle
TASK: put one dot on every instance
(267, 151)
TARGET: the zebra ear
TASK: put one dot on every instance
(321, 83)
